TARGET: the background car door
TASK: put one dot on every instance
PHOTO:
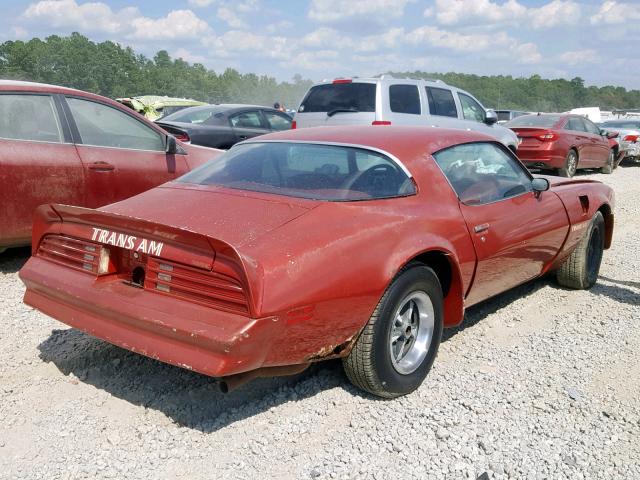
(515, 231)
(121, 155)
(277, 121)
(599, 144)
(248, 124)
(38, 163)
(577, 133)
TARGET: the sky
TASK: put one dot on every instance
(319, 39)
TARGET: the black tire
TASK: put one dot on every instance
(570, 165)
(580, 270)
(611, 163)
(369, 365)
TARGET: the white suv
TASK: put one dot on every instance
(387, 100)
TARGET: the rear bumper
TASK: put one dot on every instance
(631, 150)
(195, 337)
(541, 159)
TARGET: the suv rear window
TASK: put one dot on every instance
(404, 99)
(359, 97)
(321, 172)
(441, 102)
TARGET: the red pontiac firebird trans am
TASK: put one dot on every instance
(355, 242)
(63, 145)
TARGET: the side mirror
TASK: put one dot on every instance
(540, 185)
(490, 117)
(172, 145)
(611, 134)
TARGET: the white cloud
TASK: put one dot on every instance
(128, 22)
(337, 10)
(201, 3)
(249, 44)
(579, 57)
(279, 26)
(188, 56)
(230, 18)
(456, 12)
(20, 32)
(612, 12)
(325, 37)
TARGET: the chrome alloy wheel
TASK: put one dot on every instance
(411, 333)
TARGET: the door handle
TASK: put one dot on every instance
(101, 166)
(481, 228)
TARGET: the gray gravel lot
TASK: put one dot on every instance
(540, 382)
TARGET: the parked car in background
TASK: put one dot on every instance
(154, 107)
(506, 115)
(224, 125)
(629, 136)
(241, 277)
(67, 146)
(562, 143)
(391, 101)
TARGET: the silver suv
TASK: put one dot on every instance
(387, 100)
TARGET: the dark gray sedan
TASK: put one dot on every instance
(222, 126)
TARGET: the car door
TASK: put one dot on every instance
(599, 144)
(277, 121)
(248, 124)
(38, 162)
(576, 130)
(121, 155)
(515, 231)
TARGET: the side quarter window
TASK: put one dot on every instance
(404, 99)
(29, 117)
(278, 121)
(471, 110)
(482, 173)
(575, 125)
(249, 119)
(441, 102)
(104, 126)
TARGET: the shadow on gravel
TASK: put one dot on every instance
(479, 312)
(13, 259)
(616, 292)
(189, 399)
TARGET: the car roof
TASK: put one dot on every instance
(408, 143)
(20, 85)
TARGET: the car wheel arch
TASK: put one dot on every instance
(605, 209)
(446, 268)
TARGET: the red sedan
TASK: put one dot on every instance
(563, 143)
(63, 145)
(355, 242)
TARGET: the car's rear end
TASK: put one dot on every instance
(541, 143)
(339, 102)
(165, 292)
(628, 137)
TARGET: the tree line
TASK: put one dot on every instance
(112, 70)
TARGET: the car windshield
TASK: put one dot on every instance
(305, 170)
(545, 121)
(194, 115)
(622, 124)
(356, 97)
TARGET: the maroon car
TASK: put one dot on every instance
(562, 143)
(63, 145)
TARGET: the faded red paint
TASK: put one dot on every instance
(307, 273)
(33, 173)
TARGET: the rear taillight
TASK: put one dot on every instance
(381, 122)
(547, 136)
(294, 125)
(183, 137)
(631, 138)
(342, 80)
(78, 254)
(212, 289)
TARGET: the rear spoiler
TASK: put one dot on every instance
(182, 245)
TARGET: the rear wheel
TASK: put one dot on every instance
(610, 165)
(580, 270)
(570, 165)
(398, 345)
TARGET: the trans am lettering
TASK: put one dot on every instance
(129, 242)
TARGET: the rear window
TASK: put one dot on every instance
(322, 172)
(546, 121)
(404, 99)
(357, 97)
(197, 115)
(441, 102)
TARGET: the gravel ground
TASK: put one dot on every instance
(540, 382)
